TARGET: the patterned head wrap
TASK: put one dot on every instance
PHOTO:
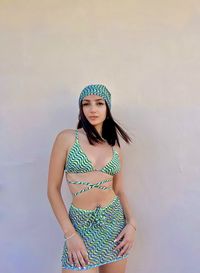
(96, 89)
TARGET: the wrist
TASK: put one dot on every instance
(132, 226)
(68, 237)
(132, 223)
(68, 232)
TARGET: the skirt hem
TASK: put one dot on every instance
(95, 265)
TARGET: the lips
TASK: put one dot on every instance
(93, 117)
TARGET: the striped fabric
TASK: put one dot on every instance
(98, 228)
(96, 89)
(90, 185)
(78, 162)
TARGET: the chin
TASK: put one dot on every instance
(96, 122)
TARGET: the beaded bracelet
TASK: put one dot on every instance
(69, 236)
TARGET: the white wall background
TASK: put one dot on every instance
(147, 54)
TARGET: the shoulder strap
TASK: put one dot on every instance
(76, 135)
(113, 149)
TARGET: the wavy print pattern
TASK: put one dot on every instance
(78, 162)
(98, 228)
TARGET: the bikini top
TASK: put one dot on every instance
(78, 162)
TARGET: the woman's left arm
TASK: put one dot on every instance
(129, 231)
(127, 211)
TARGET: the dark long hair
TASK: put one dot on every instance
(109, 129)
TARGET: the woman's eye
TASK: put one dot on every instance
(99, 103)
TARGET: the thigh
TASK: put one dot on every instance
(118, 266)
(92, 270)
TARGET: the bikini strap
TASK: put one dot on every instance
(113, 149)
(76, 135)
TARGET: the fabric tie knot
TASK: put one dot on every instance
(98, 218)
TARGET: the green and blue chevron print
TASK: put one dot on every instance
(78, 162)
(98, 229)
(96, 89)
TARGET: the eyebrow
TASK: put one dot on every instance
(89, 100)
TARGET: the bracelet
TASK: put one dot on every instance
(69, 236)
(132, 226)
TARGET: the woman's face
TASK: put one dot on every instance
(94, 109)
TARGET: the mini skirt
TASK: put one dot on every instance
(98, 228)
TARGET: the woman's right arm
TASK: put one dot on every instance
(77, 251)
(55, 177)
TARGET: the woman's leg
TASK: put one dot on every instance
(119, 267)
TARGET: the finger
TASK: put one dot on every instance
(70, 258)
(123, 251)
(80, 258)
(76, 261)
(120, 245)
(119, 237)
(130, 245)
(85, 256)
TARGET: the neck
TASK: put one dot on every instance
(99, 129)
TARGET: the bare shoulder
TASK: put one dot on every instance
(66, 132)
(65, 137)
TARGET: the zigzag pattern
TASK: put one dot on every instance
(96, 89)
(78, 162)
(113, 165)
(96, 185)
(98, 229)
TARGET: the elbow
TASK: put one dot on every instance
(51, 191)
(119, 192)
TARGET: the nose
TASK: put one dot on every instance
(93, 108)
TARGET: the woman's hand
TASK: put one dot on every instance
(77, 252)
(128, 232)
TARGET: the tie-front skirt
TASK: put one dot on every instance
(98, 228)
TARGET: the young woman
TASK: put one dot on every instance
(99, 228)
